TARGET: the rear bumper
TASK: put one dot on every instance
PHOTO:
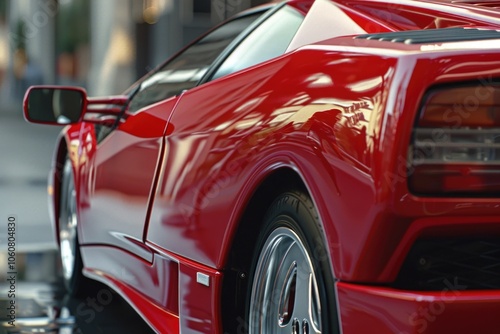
(366, 309)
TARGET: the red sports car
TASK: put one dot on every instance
(305, 167)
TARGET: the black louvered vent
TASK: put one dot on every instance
(434, 35)
(452, 264)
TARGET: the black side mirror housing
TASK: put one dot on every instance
(57, 105)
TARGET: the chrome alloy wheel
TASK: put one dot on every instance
(284, 296)
(68, 224)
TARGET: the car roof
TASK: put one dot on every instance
(328, 19)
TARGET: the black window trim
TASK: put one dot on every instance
(207, 77)
(267, 10)
(218, 61)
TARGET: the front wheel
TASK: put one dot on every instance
(69, 248)
(292, 289)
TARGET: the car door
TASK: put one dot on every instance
(119, 179)
(214, 127)
(199, 175)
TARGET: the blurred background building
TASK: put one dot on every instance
(103, 46)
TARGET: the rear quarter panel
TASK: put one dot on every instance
(340, 116)
(315, 111)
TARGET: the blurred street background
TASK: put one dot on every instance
(103, 46)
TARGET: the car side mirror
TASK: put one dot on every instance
(55, 105)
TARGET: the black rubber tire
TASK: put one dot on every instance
(294, 211)
(76, 284)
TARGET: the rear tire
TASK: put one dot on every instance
(69, 247)
(291, 288)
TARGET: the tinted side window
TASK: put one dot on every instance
(184, 71)
(269, 40)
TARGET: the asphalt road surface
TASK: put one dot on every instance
(41, 305)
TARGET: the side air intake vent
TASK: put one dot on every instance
(434, 35)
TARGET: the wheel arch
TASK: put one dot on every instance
(239, 255)
(261, 197)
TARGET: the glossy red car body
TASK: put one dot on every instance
(162, 198)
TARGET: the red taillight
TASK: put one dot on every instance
(455, 148)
